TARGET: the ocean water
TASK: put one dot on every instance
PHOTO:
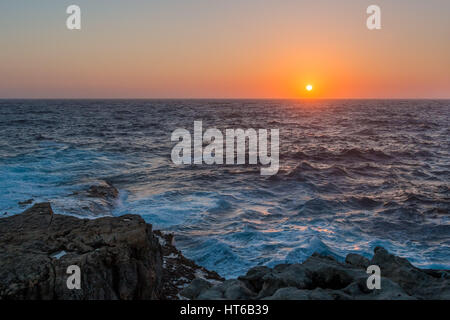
(354, 174)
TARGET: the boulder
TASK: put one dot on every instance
(214, 293)
(289, 293)
(327, 273)
(254, 277)
(196, 287)
(357, 260)
(229, 289)
(322, 277)
(97, 199)
(103, 189)
(423, 284)
(389, 291)
(25, 203)
(178, 271)
(284, 276)
(236, 290)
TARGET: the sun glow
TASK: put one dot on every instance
(309, 87)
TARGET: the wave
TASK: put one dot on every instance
(352, 174)
(313, 245)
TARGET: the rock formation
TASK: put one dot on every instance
(323, 278)
(123, 258)
(119, 258)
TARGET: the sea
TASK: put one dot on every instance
(354, 175)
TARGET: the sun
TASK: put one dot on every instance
(309, 87)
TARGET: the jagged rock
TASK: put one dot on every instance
(236, 290)
(25, 203)
(123, 258)
(103, 189)
(119, 258)
(229, 289)
(254, 277)
(389, 291)
(326, 272)
(289, 293)
(321, 277)
(178, 271)
(423, 284)
(214, 293)
(99, 199)
(322, 294)
(357, 260)
(196, 287)
(283, 276)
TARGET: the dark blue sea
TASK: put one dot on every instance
(354, 174)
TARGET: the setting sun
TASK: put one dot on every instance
(309, 87)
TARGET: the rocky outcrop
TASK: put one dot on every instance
(25, 203)
(123, 258)
(178, 271)
(119, 258)
(423, 284)
(103, 189)
(97, 199)
(323, 278)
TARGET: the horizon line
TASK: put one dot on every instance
(244, 98)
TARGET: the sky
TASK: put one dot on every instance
(224, 49)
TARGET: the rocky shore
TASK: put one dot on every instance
(119, 258)
(324, 278)
(124, 258)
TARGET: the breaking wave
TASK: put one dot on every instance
(353, 175)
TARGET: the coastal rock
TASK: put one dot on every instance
(283, 276)
(322, 277)
(289, 293)
(25, 203)
(390, 290)
(103, 189)
(423, 284)
(123, 258)
(228, 290)
(97, 199)
(236, 290)
(326, 272)
(178, 271)
(119, 258)
(214, 293)
(254, 277)
(196, 287)
(357, 260)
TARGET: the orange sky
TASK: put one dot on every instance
(209, 49)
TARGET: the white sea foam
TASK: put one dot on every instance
(353, 175)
